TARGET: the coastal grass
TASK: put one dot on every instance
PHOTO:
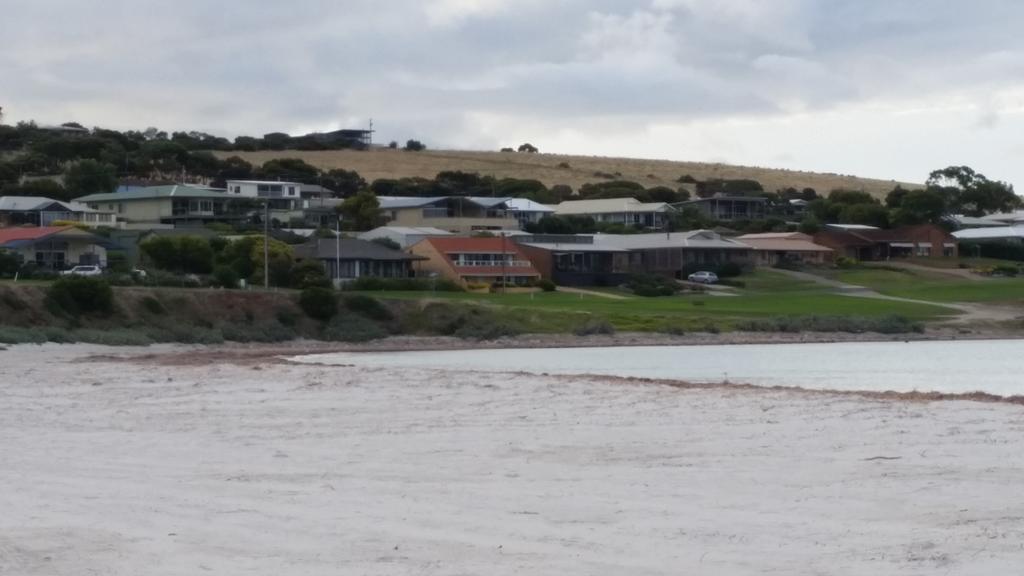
(935, 288)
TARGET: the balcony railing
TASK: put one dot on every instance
(492, 263)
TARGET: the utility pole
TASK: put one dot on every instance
(266, 244)
(337, 254)
(504, 259)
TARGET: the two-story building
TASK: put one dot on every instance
(458, 214)
(172, 205)
(475, 260)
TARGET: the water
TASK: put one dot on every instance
(993, 366)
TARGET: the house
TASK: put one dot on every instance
(575, 260)
(284, 198)
(625, 211)
(40, 211)
(669, 254)
(170, 205)
(869, 243)
(609, 259)
(527, 211)
(404, 236)
(774, 247)
(475, 260)
(728, 208)
(1003, 234)
(458, 214)
(346, 259)
(55, 247)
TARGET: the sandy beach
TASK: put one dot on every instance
(171, 460)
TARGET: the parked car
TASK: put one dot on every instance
(703, 277)
(83, 271)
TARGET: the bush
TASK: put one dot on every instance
(309, 274)
(319, 303)
(652, 285)
(462, 321)
(728, 270)
(78, 295)
(1005, 270)
(594, 326)
(371, 284)
(891, 324)
(152, 305)
(846, 263)
(352, 328)
(367, 306)
(9, 263)
(225, 277)
(546, 285)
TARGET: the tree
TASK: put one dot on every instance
(309, 274)
(971, 193)
(528, 148)
(919, 207)
(276, 140)
(345, 183)
(810, 224)
(90, 177)
(393, 145)
(362, 211)
(290, 169)
(415, 146)
(42, 187)
(247, 144)
(870, 214)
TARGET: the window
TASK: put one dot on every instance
(291, 190)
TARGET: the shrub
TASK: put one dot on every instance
(594, 326)
(546, 285)
(891, 324)
(1005, 270)
(318, 303)
(652, 285)
(352, 328)
(9, 263)
(152, 305)
(225, 277)
(77, 295)
(309, 274)
(367, 306)
(269, 332)
(728, 270)
(371, 284)
(846, 263)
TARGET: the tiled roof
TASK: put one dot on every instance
(34, 233)
(449, 245)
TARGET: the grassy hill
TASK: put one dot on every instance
(552, 169)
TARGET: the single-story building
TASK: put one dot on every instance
(41, 211)
(609, 259)
(728, 208)
(1001, 234)
(774, 247)
(527, 211)
(404, 236)
(475, 260)
(55, 247)
(868, 243)
(346, 259)
(625, 211)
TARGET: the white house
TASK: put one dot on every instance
(285, 198)
(527, 211)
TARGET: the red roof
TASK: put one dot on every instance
(455, 244)
(26, 233)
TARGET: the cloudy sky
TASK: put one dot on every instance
(882, 88)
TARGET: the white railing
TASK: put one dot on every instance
(492, 263)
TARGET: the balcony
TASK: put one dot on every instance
(493, 263)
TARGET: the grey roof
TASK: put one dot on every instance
(609, 206)
(404, 231)
(23, 203)
(351, 249)
(399, 202)
(1002, 232)
(572, 247)
(692, 239)
(152, 192)
(526, 205)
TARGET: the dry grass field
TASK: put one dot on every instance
(551, 168)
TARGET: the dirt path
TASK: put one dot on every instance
(967, 312)
(592, 293)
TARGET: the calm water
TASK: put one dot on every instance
(994, 366)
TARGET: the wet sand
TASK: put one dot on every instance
(178, 460)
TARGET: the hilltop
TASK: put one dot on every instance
(553, 169)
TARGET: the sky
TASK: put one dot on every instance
(877, 88)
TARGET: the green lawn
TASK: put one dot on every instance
(768, 294)
(936, 287)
